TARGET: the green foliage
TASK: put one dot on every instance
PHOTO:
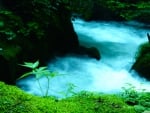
(10, 25)
(13, 100)
(35, 28)
(143, 50)
(39, 72)
(9, 51)
(70, 90)
(128, 9)
(139, 99)
(130, 94)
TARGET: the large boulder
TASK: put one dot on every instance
(142, 64)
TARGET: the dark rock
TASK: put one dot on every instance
(142, 64)
(148, 36)
(91, 52)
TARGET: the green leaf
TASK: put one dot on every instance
(25, 75)
(30, 64)
(35, 65)
(42, 68)
(27, 64)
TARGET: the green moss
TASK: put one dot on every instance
(13, 100)
(143, 50)
(142, 64)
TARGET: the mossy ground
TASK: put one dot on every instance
(13, 100)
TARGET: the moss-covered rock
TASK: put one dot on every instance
(142, 64)
(13, 100)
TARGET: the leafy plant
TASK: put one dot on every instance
(13, 100)
(38, 72)
(130, 94)
(139, 99)
(69, 91)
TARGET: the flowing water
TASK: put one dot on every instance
(117, 43)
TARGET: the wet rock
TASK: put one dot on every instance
(91, 52)
(142, 64)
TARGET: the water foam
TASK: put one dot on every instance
(117, 43)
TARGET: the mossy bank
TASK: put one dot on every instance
(13, 100)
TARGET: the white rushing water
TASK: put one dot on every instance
(117, 43)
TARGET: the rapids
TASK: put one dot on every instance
(117, 42)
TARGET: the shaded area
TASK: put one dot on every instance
(34, 30)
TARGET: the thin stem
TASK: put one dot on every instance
(48, 80)
(40, 86)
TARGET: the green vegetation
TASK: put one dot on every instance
(130, 100)
(13, 100)
(39, 72)
(10, 28)
(22, 30)
(143, 50)
(139, 99)
(126, 9)
(130, 10)
(24, 35)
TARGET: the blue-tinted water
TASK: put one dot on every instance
(117, 43)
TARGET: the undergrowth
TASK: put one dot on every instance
(14, 100)
(140, 100)
(129, 100)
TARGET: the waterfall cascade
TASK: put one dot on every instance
(117, 42)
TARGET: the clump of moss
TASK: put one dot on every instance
(89, 102)
(143, 50)
(142, 64)
(13, 100)
(139, 99)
